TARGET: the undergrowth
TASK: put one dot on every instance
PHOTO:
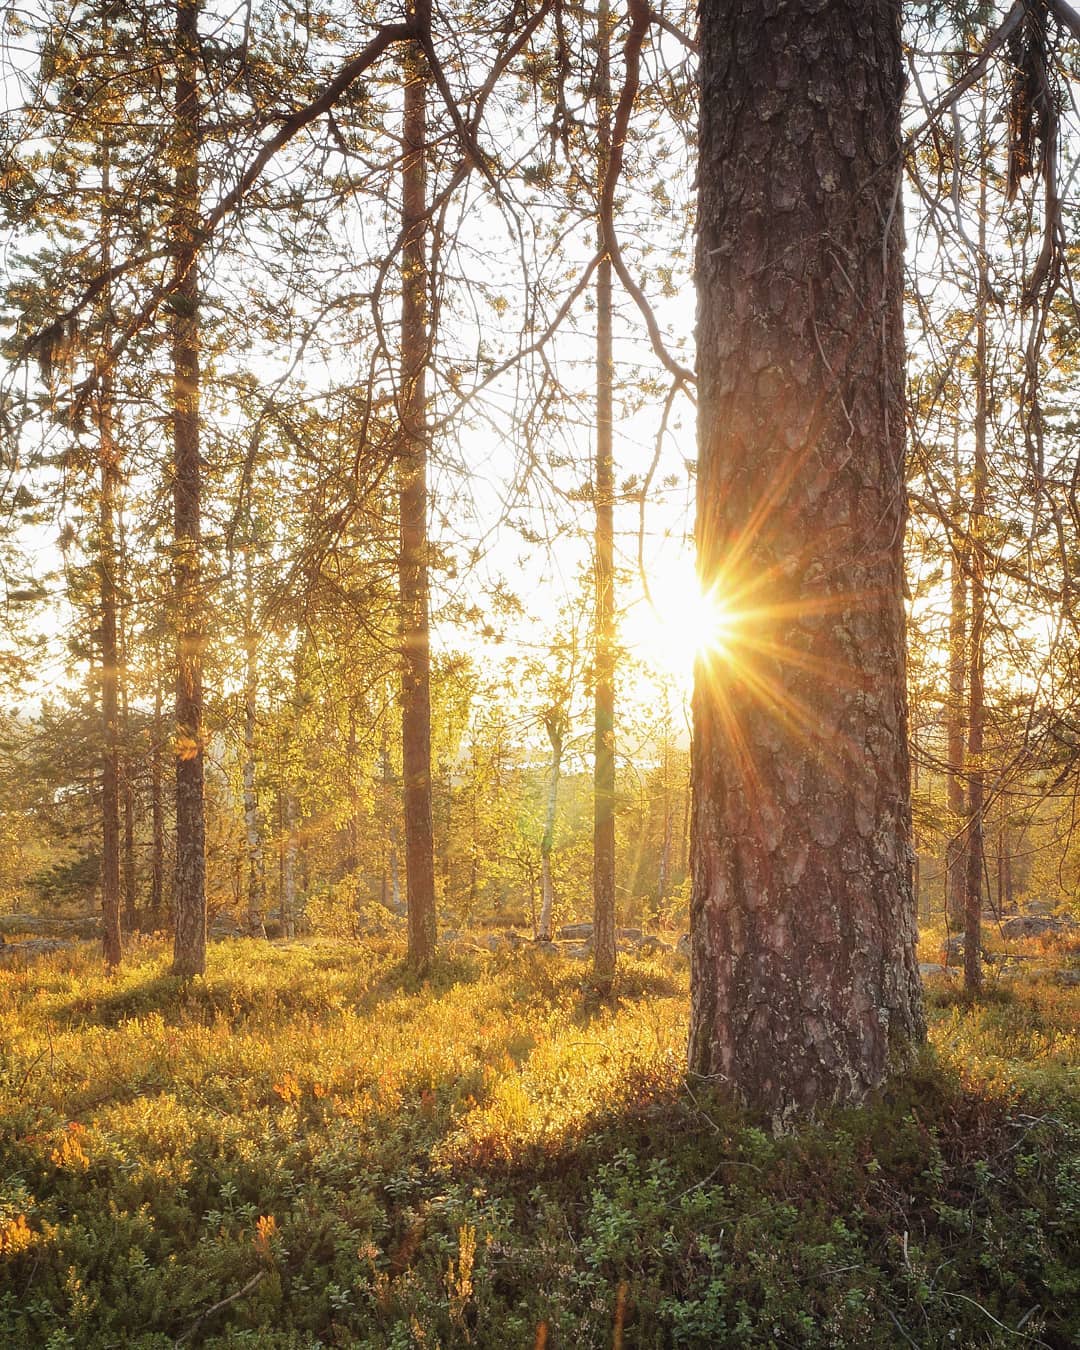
(309, 1148)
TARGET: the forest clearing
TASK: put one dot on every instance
(308, 1147)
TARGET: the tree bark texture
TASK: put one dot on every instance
(412, 478)
(189, 896)
(805, 987)
(604, 560)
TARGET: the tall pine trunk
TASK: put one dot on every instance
(976, 772)
(412, 479)
(805, 988)
(604, 559)
(189, 896)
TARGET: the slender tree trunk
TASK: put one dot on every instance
(976, 773)
(108, 562)
(1000, 908)
(804, 984)
(916, 862)
(256, 869)
(555, 725)
(279, 813)
(387, 848)
(130, 882)
(1010, 895)
(129, 877)
(157, 815)
(684, 840)
(189, 897)
(351, 861)
(413, 575)
(288, 877)
(955, 720)
(395, 876)
(110, 669)
(604, 559)
(663, 875)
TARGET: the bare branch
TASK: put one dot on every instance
(640, 18)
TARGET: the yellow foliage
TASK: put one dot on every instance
(16, 1236)
(459, 1283)
(265, 1231)
(288, 1089)
(70, 1152)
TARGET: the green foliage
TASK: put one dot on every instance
(380, 1163)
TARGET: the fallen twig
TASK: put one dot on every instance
(256, 1279)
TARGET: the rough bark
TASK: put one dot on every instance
(805, 987)
(413, 499)
(189, 893)
(604, 560)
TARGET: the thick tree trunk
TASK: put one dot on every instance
(604, 560)
(805, 987)
(189, 894)
(413, 573)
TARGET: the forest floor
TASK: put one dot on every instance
(308, 1148)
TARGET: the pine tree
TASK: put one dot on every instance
(805, 988)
